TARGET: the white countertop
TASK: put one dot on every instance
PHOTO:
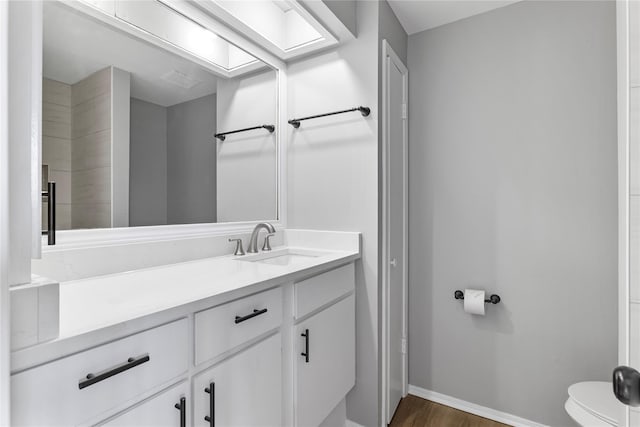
(98, 302)
(99, 309)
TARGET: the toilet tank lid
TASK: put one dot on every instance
(597, 397)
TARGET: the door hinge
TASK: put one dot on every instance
(404, 111)
(403, 346)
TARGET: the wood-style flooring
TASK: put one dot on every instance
(416, 412)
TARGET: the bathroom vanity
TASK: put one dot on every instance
(164, 128)
(259, 339)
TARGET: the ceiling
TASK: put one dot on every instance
(421, 15)
(76, 46)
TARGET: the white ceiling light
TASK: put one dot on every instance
(283, 27)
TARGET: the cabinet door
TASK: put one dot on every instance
(244, 390)
(158, 411)
(327, 371)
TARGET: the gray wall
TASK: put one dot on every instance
(191, 161)
(148, 164)
(173, 162)
(346, 12)
(391, 30)
(513, 189)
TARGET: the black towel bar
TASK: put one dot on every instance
(223, 135)
(365, 111)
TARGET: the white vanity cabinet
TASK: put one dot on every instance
(326, 288)
(169, 408)
(220, 329)
(325, 363)
(243, 390)
(77, 389)
(284, 355)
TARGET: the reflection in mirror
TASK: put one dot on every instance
(131, 104)
(285, 27)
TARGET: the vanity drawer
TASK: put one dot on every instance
(313, 293)
(51, 395)
(226, 326)
(159, 411)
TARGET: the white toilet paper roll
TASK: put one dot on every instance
(474, 301)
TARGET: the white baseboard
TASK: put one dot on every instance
(350, 423)
(472, 408)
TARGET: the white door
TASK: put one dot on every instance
(395, 149)
(5, 327)
(626, 378)
(325, 366)
(244, 390)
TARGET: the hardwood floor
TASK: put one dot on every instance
(416, 412)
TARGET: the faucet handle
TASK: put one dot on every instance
(267, 245)
(239, 249)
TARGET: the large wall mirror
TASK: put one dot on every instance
(132, 102)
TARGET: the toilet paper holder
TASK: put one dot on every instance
(493, 299)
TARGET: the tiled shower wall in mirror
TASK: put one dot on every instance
(56, 147)
(91, 151)
(77, 141)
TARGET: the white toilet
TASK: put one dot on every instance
(592, 403)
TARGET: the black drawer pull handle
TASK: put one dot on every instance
(211, 418)
(132, 362)
(305, 334)
(240, 319)
(182, 407)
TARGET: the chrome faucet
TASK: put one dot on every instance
(253, 241)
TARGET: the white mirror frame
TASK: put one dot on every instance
(69, 239)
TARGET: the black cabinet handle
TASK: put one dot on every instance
(305, 334)
(626, 385)
(182, 407)
(240, 319)
(132, 362)
(211, 418)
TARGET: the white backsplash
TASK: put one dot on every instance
(34, 312)
(79, 263)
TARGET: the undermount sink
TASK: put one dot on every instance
(284, 256)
